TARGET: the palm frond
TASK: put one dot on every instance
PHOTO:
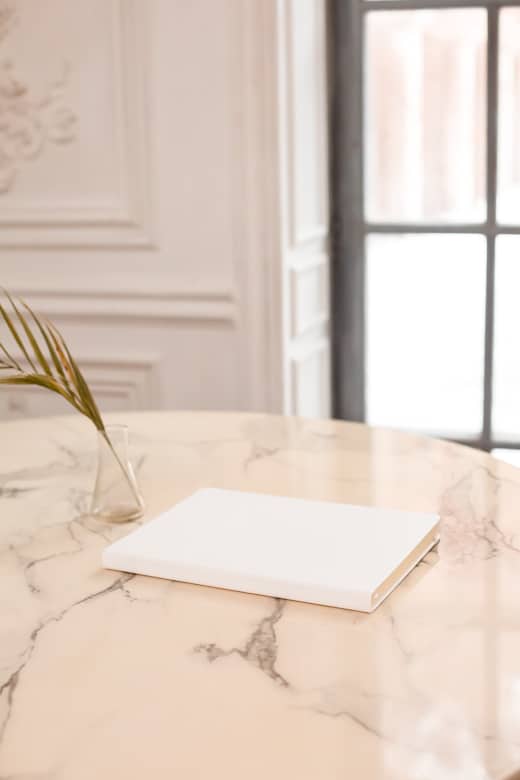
(50, 363)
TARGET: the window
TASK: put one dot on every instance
(426, 177)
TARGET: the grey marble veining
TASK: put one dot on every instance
(110, 675)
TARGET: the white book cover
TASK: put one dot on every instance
(325, 553)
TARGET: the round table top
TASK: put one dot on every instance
(104, 675)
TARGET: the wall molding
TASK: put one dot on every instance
(303, 167)
(127, 297)
(133, 380)
(302, 235)
(126, 222)
(161, 305)
(29, 122)
(310, 379)
(309, 294)
(259, 272)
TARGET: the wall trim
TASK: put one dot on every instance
(152, 304)
(127, 220)
(320, 350)
(260, 272)
(134, 378)
(303, 235)
(135, 309)
(312, 271)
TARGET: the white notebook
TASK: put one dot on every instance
(325, 553)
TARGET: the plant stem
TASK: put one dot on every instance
(129, 482)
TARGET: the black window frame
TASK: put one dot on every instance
(349, 227)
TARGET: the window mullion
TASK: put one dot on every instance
(491, 193)
(348, 299)
(417, 5)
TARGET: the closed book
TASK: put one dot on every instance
(321, 552)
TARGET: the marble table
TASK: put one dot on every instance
(105, 675)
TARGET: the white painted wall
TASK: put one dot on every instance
(163, 197)
(305, 233)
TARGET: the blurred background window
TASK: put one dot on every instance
(426, 124)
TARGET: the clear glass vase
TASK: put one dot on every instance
(116, 495)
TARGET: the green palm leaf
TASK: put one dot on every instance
(33, 343)
(51, 365)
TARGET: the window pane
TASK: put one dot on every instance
(509, 456)
(506, 386)
(425, 115)
(425, 314)
(508, 210)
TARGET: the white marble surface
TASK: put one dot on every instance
(104, 675)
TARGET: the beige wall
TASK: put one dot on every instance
(163, 197)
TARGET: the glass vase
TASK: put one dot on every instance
(116, 497)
